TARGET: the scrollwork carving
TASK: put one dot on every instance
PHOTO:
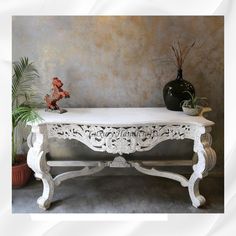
(122, 140)
(206, 160)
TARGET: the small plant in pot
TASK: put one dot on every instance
(23, 111)
(194, 105)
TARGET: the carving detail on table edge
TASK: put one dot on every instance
(206, 160)
(122, 140)
(36, 159)
(119, 162)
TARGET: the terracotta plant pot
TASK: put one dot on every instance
(20, 172)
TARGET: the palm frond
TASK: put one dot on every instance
(23, 73)
(24, 114)
(23, 106)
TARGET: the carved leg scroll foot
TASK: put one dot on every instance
(48, 189)
(206, 159)
(36, 160)
(193, 188)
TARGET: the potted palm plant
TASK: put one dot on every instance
(23, 110)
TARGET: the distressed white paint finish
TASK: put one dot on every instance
(121, 117)
(72, 174)
(165, 174)
(145, 163)
(72, 163)
(119, 162)
(36, 160)
(206, 161)
(119, 131)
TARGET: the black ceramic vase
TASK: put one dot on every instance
(174, 92)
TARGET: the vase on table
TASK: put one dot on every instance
(174, 92)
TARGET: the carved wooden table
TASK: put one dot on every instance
(120, 131)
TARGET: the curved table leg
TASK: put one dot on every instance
(36, 159)
(206, 159)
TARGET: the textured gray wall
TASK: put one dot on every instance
(121, 62)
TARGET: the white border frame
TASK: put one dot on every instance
(201, 224)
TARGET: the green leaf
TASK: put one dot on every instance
(24, 114)
(24, 73)
(193, 101)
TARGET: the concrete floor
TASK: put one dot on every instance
(120, 194)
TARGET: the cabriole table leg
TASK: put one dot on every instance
(206, 159)
(36, 159)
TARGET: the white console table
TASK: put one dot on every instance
(120, 131)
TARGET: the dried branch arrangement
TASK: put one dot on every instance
(180, 53)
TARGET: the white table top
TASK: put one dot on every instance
(121, 117)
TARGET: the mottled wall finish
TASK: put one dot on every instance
(121, 62)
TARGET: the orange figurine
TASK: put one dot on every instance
(57, 94)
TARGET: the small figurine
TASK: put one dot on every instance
(57, 94)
